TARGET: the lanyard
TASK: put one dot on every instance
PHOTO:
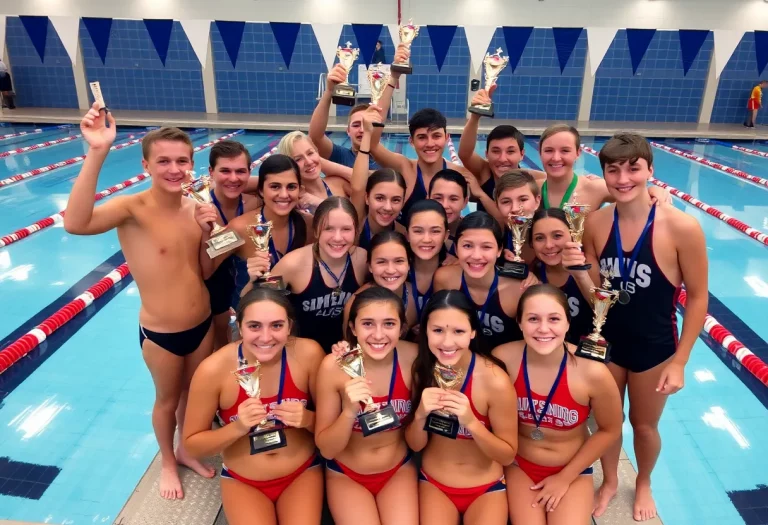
(566, 197)
(405, 296)
(626, 270)
(537, 420)
(468, 377)
(216, 203)
(338, 279)
(327, 189)
(419, 298)
(491, 291)
(275, 255)
(242, 361)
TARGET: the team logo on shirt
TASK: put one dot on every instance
(574, 306)
(639, 275)
(326, 305)
(556, 415)
(491, 324)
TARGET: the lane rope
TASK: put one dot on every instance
(42, 145)
(34, 131)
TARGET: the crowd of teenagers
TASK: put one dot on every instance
(373, 251)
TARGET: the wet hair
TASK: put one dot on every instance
(505, 131)
(388, 236)
(374, 294)
(424, 364)
(451, 176)
(515, 179)
(279, 163)
(428, 118)
(559, 128)
(625, 147)
(479, 220)
(263, 294)
(228, 149)
(321, 217)
(356, 109)
(542, 289)
(423, 206)
(170, 134)
(385, 175)
(285, 146)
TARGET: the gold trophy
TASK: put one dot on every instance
(441, 422)
(378, 79)
(222, 240)
(261, 235)
(575, 214)
(374, 418)
(518, 225)
(407, 34)
(594, 346)
(493, 65)
(267, 435)
(344, 94)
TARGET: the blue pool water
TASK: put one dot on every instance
(75, 431)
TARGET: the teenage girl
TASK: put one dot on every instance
(462, 476)
(322, 277)
(549, 235)
(479, 245)
(370, 479)
(450, 189)
(551, 479)
(283, 485)
(389, 263)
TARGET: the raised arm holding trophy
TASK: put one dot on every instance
(344, 94)
(408, 32)
(493, 65)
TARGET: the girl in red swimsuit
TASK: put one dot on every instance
(280, 485)
(370, 479)
(550, 481)
(462, 476)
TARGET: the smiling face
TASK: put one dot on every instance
(544, 323)
(627, 181)
(559, 153)
(384, 202)
(512, 200)
(504, 155)
(377, 328)
(449, 333)
(549, 237)
(281, 192)
(477, 251)
(337, 234)
(429, 144)
(450, 196)
(427, 234)
(230, 175)
(389, 265)
(308, 159)
(168, 162)
(265, 329)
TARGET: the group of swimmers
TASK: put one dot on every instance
(374, 252)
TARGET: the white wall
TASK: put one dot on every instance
(658, 14)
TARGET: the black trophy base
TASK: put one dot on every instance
(513, 270)
(378, 421)
(344, 95)
(446, 426)
(266, 440)
(378, 124)
(579, 267)
(275, 282)
(403, 69)
(484, 110)
(596, 351)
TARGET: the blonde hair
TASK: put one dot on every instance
(286, 144)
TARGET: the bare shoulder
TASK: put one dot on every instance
(328, 366)
(509, 353)
(224, 359)
(678, 222)
(492, 375)
(446, 277)
(308, 352)
(593, 372)
(250, 202)
(406, 353)
(600, 217)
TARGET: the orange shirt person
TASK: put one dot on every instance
(755, 103)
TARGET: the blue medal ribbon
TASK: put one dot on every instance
(624, 269)
(538, 420)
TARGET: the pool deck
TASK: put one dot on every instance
(455, 125)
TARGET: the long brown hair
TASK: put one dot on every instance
(321, 218)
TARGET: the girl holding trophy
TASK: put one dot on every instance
(266, 439)
(478, 246)
(462, 424)
(550, 480)
(363, 396)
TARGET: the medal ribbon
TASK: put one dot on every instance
(491, 291)
(341, 275)
(419, 299)
(216, 203)
(566, 197)
(274, 254)
(626, 270)
(468, 377)
(552, 391)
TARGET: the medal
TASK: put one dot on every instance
(624, 297)
(336, 292)
(537, 434)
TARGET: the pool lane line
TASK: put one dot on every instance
(742, 149)
(22, 346)
(34, 131)
(42, 145)
(58, 217)
(734, 223)
(711, 164)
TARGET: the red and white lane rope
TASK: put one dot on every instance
(42, 145)
(715, 165)
(749, 150)
(730, 221)
(34, 131)
(68, 162)
(29, 341)
(736, 348)
(57, 217)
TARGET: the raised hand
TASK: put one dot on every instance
(94, 129)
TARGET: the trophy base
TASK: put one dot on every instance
(484, 110)
(274, 282)
(446, 426)
(264, 440)
(579, 267)
(378, 421)
(513, 270)
(223, 242)
(403, 69)
(378, 124)
(596, 351)
(344, 95)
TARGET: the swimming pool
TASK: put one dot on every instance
(75, 430)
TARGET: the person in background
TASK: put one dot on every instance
(755, 103)
(6, 86)
(378, 54)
